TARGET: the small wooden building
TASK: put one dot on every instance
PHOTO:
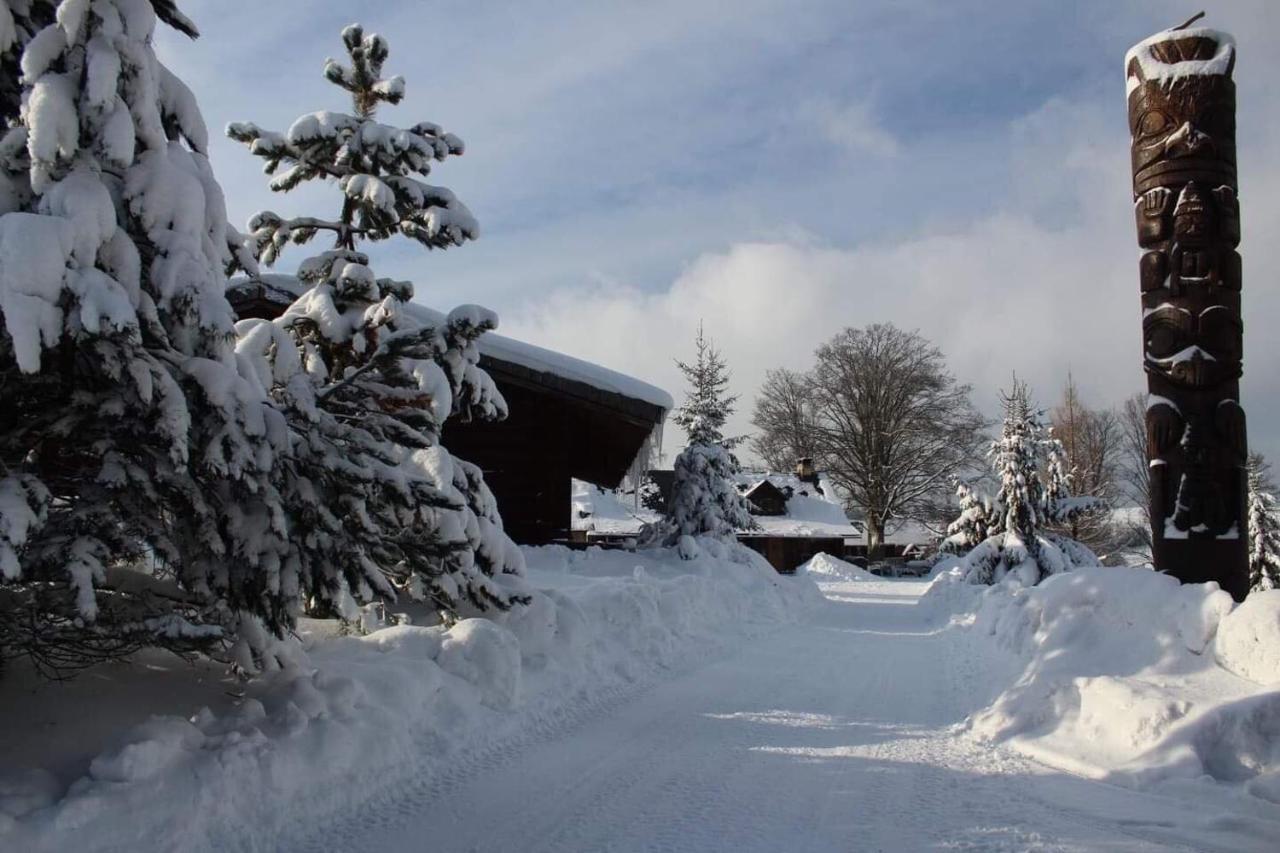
(568, 419)
(559, 428)
(764, 498)
(788, 552)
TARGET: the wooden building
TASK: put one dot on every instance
(795, 521)
(764, 498)
(568, 419)
(788, 552)
(559, 428)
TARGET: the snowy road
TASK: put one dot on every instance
(834, 735)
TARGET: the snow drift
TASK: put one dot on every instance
(1125, 674)
(825, 567)
(360, 719)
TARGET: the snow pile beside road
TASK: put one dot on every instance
(1248, 641)
(1125, 674)
(828, 568)
(369, 719)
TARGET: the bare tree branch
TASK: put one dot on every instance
(882, 416)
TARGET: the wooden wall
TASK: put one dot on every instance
(788, 553)
(549, 438)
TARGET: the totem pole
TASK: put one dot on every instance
(1182, 119)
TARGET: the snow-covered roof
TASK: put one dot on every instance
(809, 516)
(509, 350)
(543, 360)
(810, 512)
(606, 512)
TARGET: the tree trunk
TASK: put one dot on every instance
(875, 540)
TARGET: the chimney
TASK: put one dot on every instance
(806, 473)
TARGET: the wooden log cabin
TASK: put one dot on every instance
(568, 419)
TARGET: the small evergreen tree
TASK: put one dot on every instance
(974, 524)
(704, 498)
(135, 499)
(707, 406)
(1264, 528)
(650, 493)
(1018, 542)
(1064, 511)
(1058, 479)
(379, 508)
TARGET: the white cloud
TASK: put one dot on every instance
(778, 171)
(1044, 286)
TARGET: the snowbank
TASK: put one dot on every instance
(1125, 674)
(358, 720)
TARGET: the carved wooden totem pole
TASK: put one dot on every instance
(1182, 119)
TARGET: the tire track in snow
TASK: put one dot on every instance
(411, 786)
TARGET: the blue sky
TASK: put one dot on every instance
(777, 170)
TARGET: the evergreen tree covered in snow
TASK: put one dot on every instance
(378, 507)
(974, 524)
(1018, 541)
(1264, 528)
(1065, 511)
(707, 407)
(704, 498)
(1057, 487)
(127, 435)
(650, 493)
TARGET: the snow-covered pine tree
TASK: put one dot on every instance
(650, 493)
(1064, 510)
(127, 436)
(973, 525)
(1019, 543)
(1264, 527)
(707, 406)
(1057, 477)
(704, 499)
(378, 506)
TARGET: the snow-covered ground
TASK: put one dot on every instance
(357, 722)
(646, 703)
(848, 731)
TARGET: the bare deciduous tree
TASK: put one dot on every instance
(784, 415)
(1134, 489)
(884, 418)
(1092, 440)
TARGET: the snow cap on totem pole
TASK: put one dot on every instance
(1182, 108)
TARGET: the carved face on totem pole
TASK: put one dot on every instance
(1182, 123)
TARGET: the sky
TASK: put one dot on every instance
(775, 170)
